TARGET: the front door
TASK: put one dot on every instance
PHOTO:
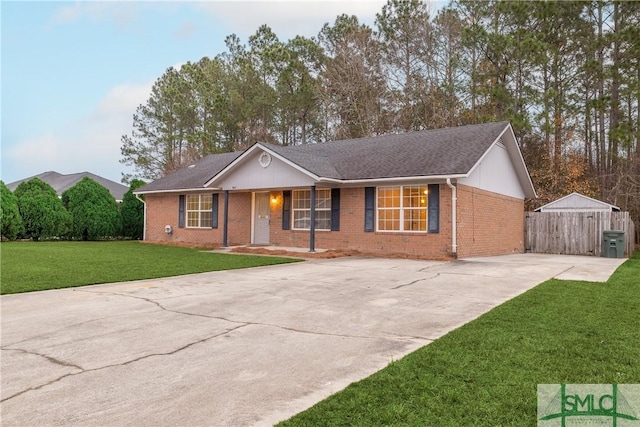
(261, 217)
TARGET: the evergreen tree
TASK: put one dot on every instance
(42, 211)
(406, 52)
(9, 214)
(93, 209)
(132, 212)
(353, 88)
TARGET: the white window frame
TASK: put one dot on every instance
(295, 211)
(403, 209)
(199, 211)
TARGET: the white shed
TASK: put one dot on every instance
(576, 202)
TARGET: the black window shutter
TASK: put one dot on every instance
(181, 211)
(214, 210)
(286, 210)
(434, 208)
(369, 208)
(335, 209)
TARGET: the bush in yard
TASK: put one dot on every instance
(93, 210)
(42, 212)
(132, 212)
(9, 214)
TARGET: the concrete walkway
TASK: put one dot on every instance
(243, 347)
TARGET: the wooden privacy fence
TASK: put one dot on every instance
(574, 233)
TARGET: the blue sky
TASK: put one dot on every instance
(73, 73)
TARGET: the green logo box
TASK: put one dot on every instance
(575, 405)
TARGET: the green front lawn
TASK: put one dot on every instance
(486, 372)
(36, 266)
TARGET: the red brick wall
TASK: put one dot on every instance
(239, 218)
(352, 235)
(162, 210)
(488, 223)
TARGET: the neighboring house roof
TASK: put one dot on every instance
(439, 153)
(61, 182)
(576, 202)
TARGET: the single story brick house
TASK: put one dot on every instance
(447, 192)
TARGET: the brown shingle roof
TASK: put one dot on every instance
(192, 176)
(449, 151)
(438, 152)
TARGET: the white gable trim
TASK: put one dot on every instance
(247, 153)
(516, 159)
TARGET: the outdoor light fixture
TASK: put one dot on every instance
(274, 199)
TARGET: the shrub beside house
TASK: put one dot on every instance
(10, 218)
(86, 211)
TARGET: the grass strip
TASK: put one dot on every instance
(36, 266)
(486, 372)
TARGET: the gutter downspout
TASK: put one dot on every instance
(144, 221)
(454, 218)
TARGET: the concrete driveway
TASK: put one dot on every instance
(244, 347)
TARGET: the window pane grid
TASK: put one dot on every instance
(402, 208)
(199, 210)
(302, 209)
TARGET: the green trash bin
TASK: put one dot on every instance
(613, 244)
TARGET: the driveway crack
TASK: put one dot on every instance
(49, 358)
(562, 272)
(416, 281)
(163, 308)
(241, 322)
(128, 362)
(304, 331)
(48, 334)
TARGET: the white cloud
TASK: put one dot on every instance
(67, 14)
(90, 143)
(186, 30)
(123, 13)
(287, 18)
(125, 97)
(36, 155)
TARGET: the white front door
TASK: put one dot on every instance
(261, 218)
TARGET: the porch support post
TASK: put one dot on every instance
(225, 229)
(312, 225)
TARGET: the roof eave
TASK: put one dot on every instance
(391, 179)
(178, 190)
